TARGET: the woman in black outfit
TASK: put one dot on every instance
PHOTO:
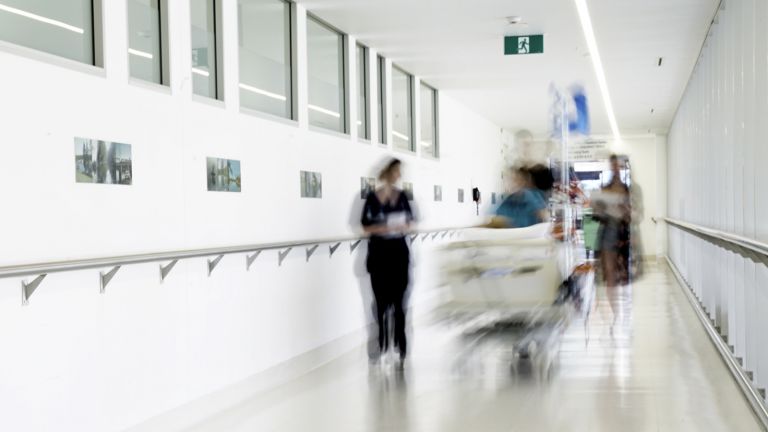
(387, 217)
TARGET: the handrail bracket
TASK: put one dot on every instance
(282, 254)
(104, 278)
(311, 251)
(28, 288)
(166, 269)
(213, 263)
(249, 259)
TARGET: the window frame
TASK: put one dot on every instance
(218, 47)
(435, 125)
(97, 47)
(163, 40)
(411, 104)
(366, 91)
(381, 74)
(344, 75)
(292, 99)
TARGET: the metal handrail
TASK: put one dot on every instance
(747, 247)
(41, 270)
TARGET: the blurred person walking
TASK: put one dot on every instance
(613, 209)
(386, 218)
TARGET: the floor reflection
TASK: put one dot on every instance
(648, 367)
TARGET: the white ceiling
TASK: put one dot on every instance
(457, 46)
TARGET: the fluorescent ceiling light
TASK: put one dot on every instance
(324, 111)
(202, 72)
(401, 136)
(140, 53)
(42, 19)
(262, 92)
(589, 35)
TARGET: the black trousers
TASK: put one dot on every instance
(389, 266)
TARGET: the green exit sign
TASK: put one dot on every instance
(532, 44)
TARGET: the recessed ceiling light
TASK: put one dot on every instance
(514, 19)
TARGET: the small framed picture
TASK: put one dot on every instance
(311, 184)
(367, 185)
(103, 162)
(223, 175)
(408, 190)
(438, 193)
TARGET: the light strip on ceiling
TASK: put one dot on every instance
(324, 111)
(589, 35)
(262, 92)
(42, 19)
(139, 53)
(201, 72)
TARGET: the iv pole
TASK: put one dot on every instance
(565, 179)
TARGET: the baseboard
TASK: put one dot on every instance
(751, 393)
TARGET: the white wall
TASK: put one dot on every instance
(649, 173)
(77, 360)
(717, 178)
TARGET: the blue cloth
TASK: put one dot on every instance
(522, 208)
(581, 124)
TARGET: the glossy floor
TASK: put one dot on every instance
(655, 371)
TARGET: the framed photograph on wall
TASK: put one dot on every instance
(438, 193)
(367, 185)
(103, 162)
(408, 190)
(311, 184)
(223, 175)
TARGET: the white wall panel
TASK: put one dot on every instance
(716, 158)
(96, 362)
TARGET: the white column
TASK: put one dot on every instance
(115, 36)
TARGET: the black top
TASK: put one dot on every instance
(376, 213)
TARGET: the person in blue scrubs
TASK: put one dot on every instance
(522, 208)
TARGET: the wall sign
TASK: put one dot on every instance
(521, 45)
(588, 150)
